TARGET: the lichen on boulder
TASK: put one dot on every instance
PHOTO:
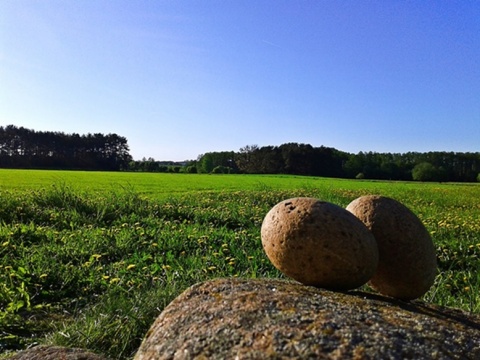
(273, 318)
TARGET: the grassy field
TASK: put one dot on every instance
(89, 259)
(164, 185)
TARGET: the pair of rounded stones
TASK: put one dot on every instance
(375, 239)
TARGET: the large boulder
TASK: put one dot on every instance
(258, 319)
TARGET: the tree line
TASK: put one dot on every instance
(304, 159)
(23, 148)
(152, 165)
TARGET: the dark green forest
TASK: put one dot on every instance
(304, 159)
(22, 148)
(28, 149)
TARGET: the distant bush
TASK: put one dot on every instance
(192, 169)
(174, 169)
(427, 172)
(221, 170)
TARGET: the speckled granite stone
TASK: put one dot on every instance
(275, 319)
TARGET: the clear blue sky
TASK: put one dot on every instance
(181, 78)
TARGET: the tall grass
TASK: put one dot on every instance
(93, 267)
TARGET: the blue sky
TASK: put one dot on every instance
(181, 78)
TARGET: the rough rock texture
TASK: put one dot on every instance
(407, 261)
(273, 319)
(55, 353)
(319, 244)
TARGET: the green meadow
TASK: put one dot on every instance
(89, 259)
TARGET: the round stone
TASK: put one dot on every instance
(407, 262)
(320, 244)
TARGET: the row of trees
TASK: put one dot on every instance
(430, 166)
(152, 165)
(291, 158)
(25, 148)
(302, 159)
